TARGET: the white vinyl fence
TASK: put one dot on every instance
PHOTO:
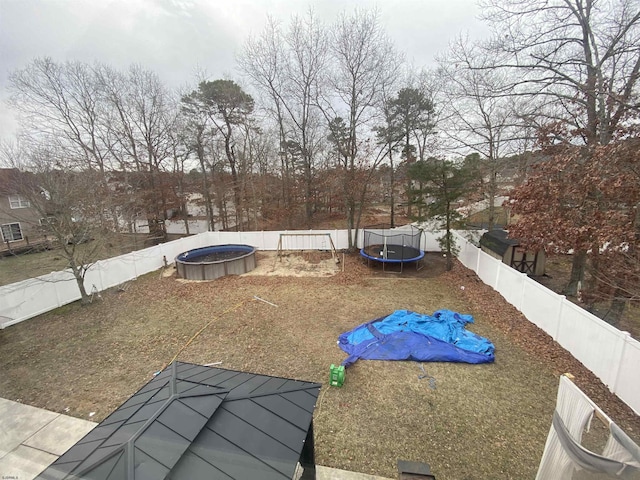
(609, 353)
(29, 298)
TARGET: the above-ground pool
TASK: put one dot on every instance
(209, 263)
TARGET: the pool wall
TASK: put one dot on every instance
(190, 268)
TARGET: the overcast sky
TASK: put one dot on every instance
(177, 38)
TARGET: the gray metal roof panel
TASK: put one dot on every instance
(225, 459)
(498, 241)
(192, 421)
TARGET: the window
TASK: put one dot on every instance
(16, 201)
(11, 232)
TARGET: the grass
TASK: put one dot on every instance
(14, 268)
(482, 217)
(474, 421)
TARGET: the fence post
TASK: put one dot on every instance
(55, 290)
(135, 267)
(522, 296)
(557, 332)
(616, 366)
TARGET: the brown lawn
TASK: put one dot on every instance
(470, 421)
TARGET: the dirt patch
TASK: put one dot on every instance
(296, 264)
(467, 421)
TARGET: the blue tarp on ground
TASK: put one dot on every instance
(406, 335)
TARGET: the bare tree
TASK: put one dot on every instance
(141, 120)
(583, 58)
(287, 67)
(363, 60)
(64, 198)
(482, 113)
(263, 61)
(62, 102)
(308, 44)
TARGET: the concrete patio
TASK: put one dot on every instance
(32, 438)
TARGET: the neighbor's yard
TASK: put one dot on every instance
(474, 421)
(18, 267)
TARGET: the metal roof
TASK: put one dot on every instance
(193, 422)
(498, 241)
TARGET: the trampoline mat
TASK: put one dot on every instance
(395, 253)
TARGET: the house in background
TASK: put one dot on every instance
(20, 223)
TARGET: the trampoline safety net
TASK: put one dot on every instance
(392, 245)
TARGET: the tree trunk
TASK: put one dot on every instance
(407, 147)
(308, 189)
(77, 273)
(84, 297)
(576, 280)
(186, 222)
(205, 188)
(448, 238)
(493, 188)
(392, 198)
(351, 223)
(409, 198)
(617, 308)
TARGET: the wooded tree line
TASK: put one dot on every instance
(329, 118)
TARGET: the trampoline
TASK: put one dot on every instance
(392, 246)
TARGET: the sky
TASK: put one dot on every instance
(180, 38)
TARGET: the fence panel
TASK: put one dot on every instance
(266, 241)
(213, 238)
(171, 250)
(510, 285)
(117, 270)
(594, 342)
(148, 260)
(66, 287)
(292, 240)
(627, 384)
(430, 242)
(93, 279)
(255, 239)
(610, 354)
(541, 306)
(27, 299)
(306, 240)
(488, 269)
(468, 254)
